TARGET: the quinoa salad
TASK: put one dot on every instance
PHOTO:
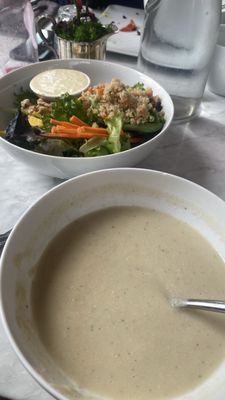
(135, 103)
(107, 118)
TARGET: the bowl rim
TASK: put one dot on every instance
(77, 62)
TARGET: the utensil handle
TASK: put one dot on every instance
(40, 21)
(207, 305)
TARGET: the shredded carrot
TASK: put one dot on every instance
(97, 131)
(94, 131)
(63, 129)
(53, 129)
(99, 90)
(68, 135)
(77, 121)
(62, 123)
(82, 132)
(76, 129)
(88, 135)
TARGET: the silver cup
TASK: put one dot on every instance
(64, 49)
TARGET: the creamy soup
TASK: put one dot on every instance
(101, 302)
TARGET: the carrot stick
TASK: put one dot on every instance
(68, 135)
(53, 130)
(94, 131)
(97, 130)
(62, 123)
(62, 129)
(75, 132)
(77, 121)
(90, 134)
(78, 131)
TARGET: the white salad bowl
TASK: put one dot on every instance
(67, 202)
(99, 72)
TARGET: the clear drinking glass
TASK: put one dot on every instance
(177, 44)
(17, 35)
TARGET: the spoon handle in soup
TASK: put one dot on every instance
(207, 305)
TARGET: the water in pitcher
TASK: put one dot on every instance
(177, 44)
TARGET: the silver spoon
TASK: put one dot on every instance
(206, 305)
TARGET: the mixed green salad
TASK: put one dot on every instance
(105, 119)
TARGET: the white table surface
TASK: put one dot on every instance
(194, 150)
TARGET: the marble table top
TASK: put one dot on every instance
(194, 150)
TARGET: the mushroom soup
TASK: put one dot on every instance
(101, 304)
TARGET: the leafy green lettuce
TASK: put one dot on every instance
(114, 126)
(97, 146)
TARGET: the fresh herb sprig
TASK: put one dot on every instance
(84, 27)
(62, 109)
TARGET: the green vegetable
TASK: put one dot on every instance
(85, 31)
(84, 27)
(125, 142)
(95, 146)
(139, 86)
(24, 94)
(63, 108)
(144, 129)
(57, 147)
(114, 126)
